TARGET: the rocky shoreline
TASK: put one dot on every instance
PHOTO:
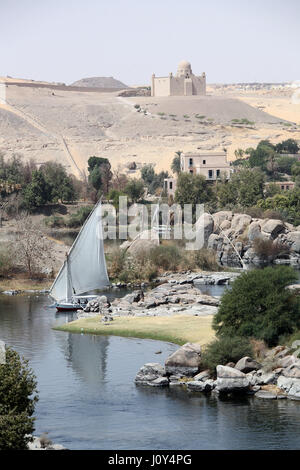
(176, 294)
(24, 291)
(276, 376)
(43, 443)
(183, 277)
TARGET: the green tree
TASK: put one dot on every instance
(285, 164)
(261, 155)
(12, 169)
(272, 189)
(148, 174)
(135, 189)
(176, 165)
(100, 174)
(114, 196)
(18, 396)
(61, 185)
(259, 305)
(245, 188)
(193, 189)
(288, 146)
(152, 180)
(96, 162)
(38, 192)
(287, 202)
(295, 170)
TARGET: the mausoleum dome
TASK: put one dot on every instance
(184, 68)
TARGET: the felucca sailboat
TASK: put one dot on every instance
(84, 269)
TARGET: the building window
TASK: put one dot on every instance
(282, 187)
(204, 162)
(191, 171)
(171, 185)
(210, 174)
(190, 162)
(218, 173)
(287, 187)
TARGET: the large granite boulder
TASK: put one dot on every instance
(293, 238)
(273, 227)
(186, 360)
(2, 353)
(290, 385)
(287, 361)
(231, 380)
(159, 382)
(219, 218)
(246, 364)
(293, 371)
(144, 242)
(240, 222)
(254, 231)
(202, 376)
(149, 373)
(198, 386)
(214, 241)
(205, 223)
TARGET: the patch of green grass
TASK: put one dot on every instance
(178, 329)
(244, 121)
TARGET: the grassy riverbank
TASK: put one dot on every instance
(24, 284)
(177, 329)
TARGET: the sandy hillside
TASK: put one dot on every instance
(70, 126)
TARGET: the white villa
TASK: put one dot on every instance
(210, 165)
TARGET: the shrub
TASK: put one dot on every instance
(205, 259)
(54, 221)
(78, 219)
(224, 350)
(6, 261)
(116, 262)
(17, 402)
(166, 257)
(259, 305)
(270, 249)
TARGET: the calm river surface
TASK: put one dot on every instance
(88, 399)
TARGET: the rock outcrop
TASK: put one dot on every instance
(185, 361)
(233, 237)
(260, 381)
(231, 380)
(246, 364)
(166, 299)
(152, 374)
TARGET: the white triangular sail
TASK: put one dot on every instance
(85, 267)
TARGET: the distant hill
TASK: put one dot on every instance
(100, 82)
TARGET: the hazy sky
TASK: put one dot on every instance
(231, 40)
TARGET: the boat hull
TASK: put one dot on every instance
(77, 303)
(68, 307)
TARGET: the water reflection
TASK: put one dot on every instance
(86, 355)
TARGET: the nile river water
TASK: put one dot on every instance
(88, 399)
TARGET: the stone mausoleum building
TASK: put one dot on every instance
(184, 83)
(210, 165)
